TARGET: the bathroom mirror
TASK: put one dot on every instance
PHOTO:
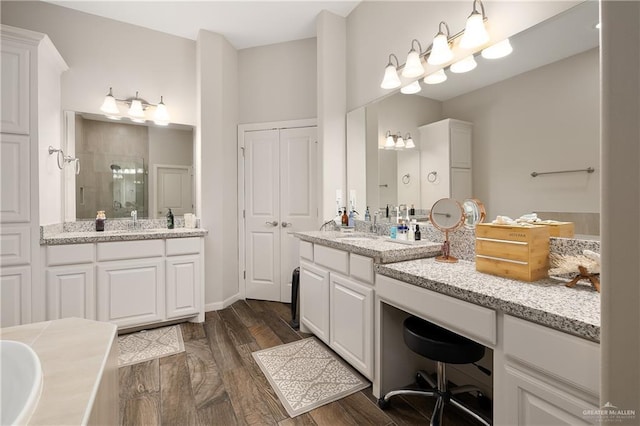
(126, 166)
(538, 111)
(447, 215)
(474, 213)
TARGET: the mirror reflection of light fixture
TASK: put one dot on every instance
(397, 142)
(409, 142)
(389, 143)
(413, 67)
(440, 50)
(136, 110)
(464, 65)
(436, 78)
(475, 33)
(498, 50)
(391, 79)
(412, 88)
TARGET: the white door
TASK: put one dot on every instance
(280, 198)
(173, 190)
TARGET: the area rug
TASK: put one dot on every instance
(149, 344)
(306, 375)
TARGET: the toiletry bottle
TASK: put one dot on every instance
(394, 232)
(345, 218)
(100, 218)
(387, 215)
(352, 218)
(170, 220)
(367, 215)
(410, 233)
(417, 235)
(412, 211)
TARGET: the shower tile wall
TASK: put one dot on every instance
(101, 145)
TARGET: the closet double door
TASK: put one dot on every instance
(280, 178)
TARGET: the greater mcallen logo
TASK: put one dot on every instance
(610, 413)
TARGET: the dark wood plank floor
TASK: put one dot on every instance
(217, 382)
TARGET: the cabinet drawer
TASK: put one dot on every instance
(570, 358)
(306, 250)
(337, 260)
(361, 267)
(122, 250)
(70, 254)
(14, 245)
(178, 246)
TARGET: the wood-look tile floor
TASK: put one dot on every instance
(217, 382)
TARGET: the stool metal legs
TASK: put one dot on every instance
(440, 391)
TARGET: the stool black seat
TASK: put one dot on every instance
(445, 347)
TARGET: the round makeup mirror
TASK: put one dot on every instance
(474, 213)
(447, 215)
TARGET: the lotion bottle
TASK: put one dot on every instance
(170, 220)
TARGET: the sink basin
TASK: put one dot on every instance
(21, 380)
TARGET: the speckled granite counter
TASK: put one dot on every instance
(547, 302)
(381, 249)
(58, 238)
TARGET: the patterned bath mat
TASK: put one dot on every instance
(148, 344)
(306, 375)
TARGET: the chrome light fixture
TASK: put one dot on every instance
(475, 33)
(391, 79)
(440, 50)
(136, 110)
(408, 140)
(413, 67)
(397, 142)
(390, 143)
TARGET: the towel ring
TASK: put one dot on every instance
(432, 176)
(60, 158)
(406, 179)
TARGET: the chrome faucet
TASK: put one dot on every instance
(134, 218)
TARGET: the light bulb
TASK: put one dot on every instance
(464, 65)
(135, 110)
(390, 143)
(440, 50)
(391, 79)
(475, 33)
(436, 78)
(409, 142)
(161, 116)
(399, 142)
(109, 105)
(413, 67)
(498, 50)
(411, 88)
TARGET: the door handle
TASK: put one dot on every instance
(285, 224)
(274, 223)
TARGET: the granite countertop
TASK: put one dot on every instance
(381, 249)
(548, 302)
(73, 353)
(80, 237)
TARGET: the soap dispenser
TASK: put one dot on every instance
(345, 218)
(170, 223)
(352, 219)
(367, 215)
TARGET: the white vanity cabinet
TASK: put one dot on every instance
(337, 301)
(184, 280)
(445, 161)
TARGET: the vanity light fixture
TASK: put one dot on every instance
(498, 50)
(413, 67)
(464, 65)
(136, 110)
(409, 142)
(390, 143)
(440, 50)
(391, 79)
(412, 88)
(397, 142)
(436, 78)
(475, 33)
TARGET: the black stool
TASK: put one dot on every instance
(444, 347)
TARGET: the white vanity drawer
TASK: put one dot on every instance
(361, 267)
(306, 250)
(567, 357)
(71, 254)
(179, 246)
(473, 321)
(334, 259)
(122, 250)
(15, 245)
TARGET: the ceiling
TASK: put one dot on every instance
(243, 23)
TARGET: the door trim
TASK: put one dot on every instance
(242, 128)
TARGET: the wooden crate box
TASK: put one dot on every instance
(513, 251)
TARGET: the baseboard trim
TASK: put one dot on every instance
(216, 306)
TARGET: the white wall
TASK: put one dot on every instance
(102, 52)
(377, 28)
(278, 82)
(544, 120)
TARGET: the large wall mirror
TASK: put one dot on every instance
(126, 166)
(536, 110)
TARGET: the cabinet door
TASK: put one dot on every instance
(351, 322)
(131, 292)
(15, 89)
(183, 286)
(14, 178)
(532, 401)
(461, 184)
(71, 292)
(15, 296)
(460, 139)
(314, 300)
